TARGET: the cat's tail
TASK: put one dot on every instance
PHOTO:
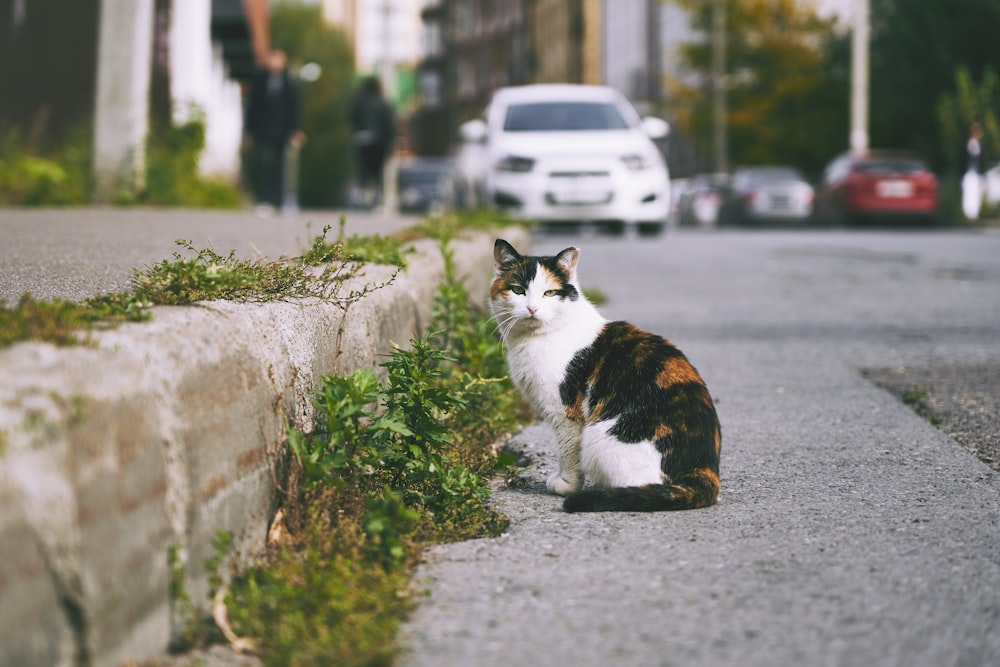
(693, 490)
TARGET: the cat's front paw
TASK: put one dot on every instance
(559, 485)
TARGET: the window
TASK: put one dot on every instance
(563, 116)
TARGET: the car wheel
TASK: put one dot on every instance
(649, 228)
(611, 227)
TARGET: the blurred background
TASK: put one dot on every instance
(141, 101)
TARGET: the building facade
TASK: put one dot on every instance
(478, 46)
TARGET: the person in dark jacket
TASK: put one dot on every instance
(271, 125)
(374, 125)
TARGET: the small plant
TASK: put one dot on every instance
(914, 394)
(30, 176)
(595, 296)
(375, 249)
(390, 468)
(60, 322)
(172, 174)
(205, 276)
(450, 224)
(185, 611)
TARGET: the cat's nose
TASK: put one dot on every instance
(532, 310)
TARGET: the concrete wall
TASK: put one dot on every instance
(158, 437)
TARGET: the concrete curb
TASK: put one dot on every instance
(159, 437)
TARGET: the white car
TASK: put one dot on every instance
(565, 153)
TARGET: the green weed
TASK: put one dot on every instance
(188, 617)
(450, 224)
(64, 322)
(390, 468)
(913, 395)
(200, 275)
(172, 175)
(375, 249)
(595, 296)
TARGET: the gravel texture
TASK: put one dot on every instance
(961, 400)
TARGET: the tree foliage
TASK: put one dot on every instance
(917, 47)
(325, 164)
(787, 76)
(967, 103)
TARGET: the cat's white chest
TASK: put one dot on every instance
(538, 363)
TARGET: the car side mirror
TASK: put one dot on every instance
(656, 128)
(473, 132)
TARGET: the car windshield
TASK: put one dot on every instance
(563, 116)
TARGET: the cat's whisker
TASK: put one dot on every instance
(504, 326)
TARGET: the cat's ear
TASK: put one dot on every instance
(567, 260)
(503, 255)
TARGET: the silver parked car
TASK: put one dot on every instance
(767, 194)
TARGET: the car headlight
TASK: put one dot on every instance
(639, 161)
(515, 163)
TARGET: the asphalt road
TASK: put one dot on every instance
(77, 253)
(849, 530)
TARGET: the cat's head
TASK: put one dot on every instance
(532, 291)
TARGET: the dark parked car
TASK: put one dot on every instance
(699, 200)
(767, 194)
(876, 185)
(422, 183)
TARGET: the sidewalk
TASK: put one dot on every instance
(79, 252)
(856, 537)
(849, 530)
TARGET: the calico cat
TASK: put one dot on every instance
(631, 414)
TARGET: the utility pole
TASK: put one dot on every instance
(859, 77)
(121, 109)
(719, 85)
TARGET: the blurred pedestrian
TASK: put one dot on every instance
(271, 126)
(972, 174)
(374, 125)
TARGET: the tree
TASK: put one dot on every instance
(787, 77)
(969, 102)
(325, 163)
(917, 46)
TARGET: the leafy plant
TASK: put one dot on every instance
(211, 276)
(376, 249)
(206, 275)
(172, 174)
(30, 177)
(61, 322)
(390, 467)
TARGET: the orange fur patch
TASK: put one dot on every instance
(662, 431)
(677, 371)
(575, 412)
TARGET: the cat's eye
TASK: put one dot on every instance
(551, 292)
(517, 289)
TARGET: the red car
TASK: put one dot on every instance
(876, 185)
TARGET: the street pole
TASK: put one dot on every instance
(391, 88)
(121, 106)
(859, 77)
(719, 85)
